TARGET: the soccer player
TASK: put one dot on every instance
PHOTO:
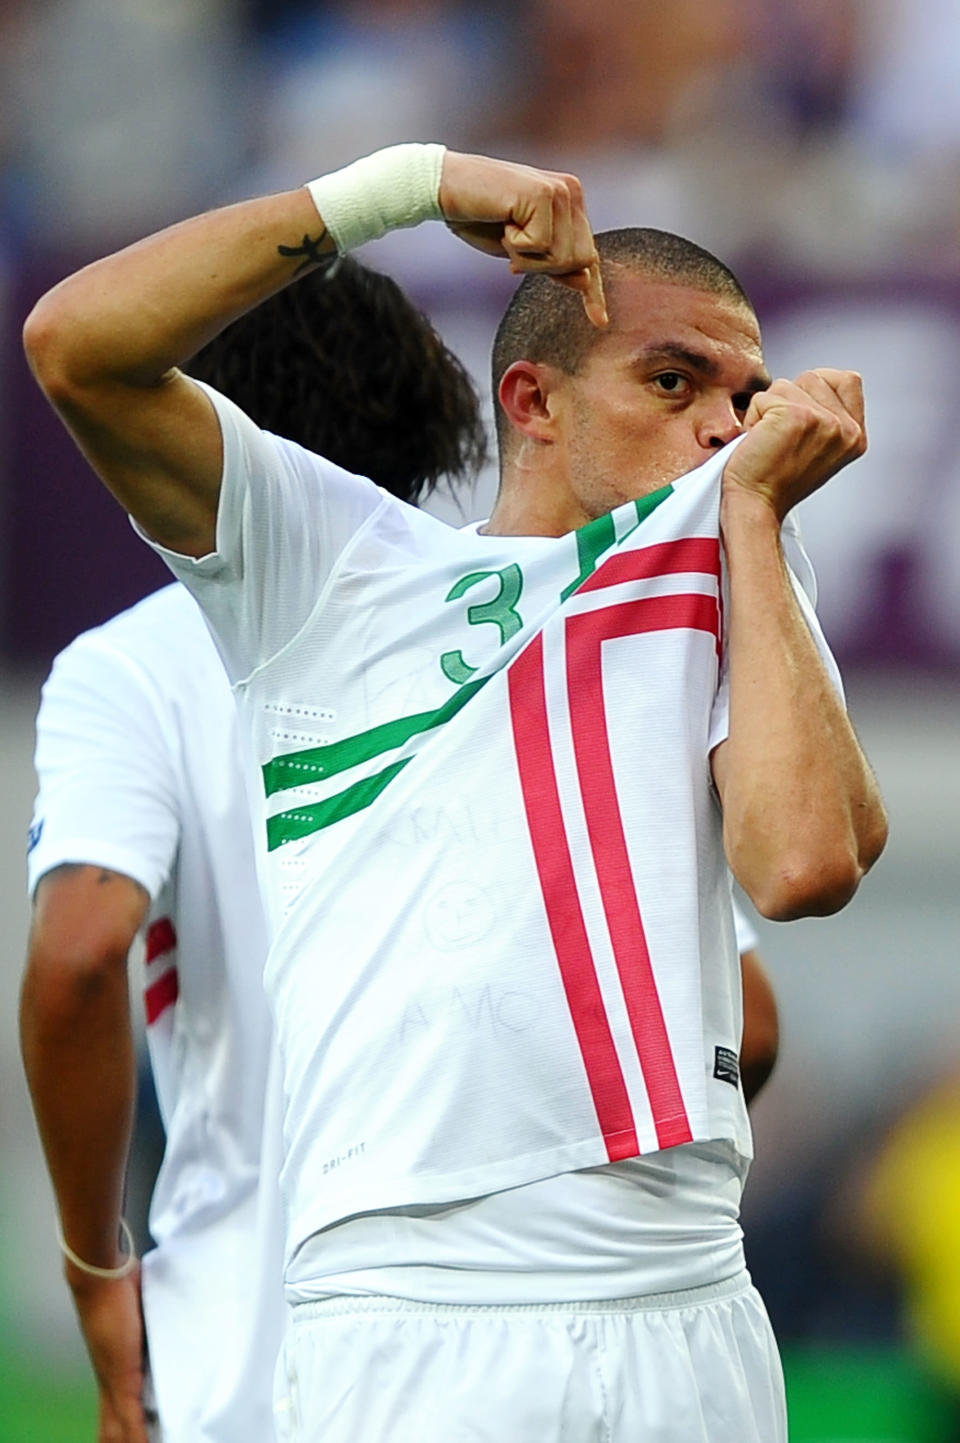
(503, 969)
(142, 820)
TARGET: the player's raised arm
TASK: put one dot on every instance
(803, 818)
(105, 344)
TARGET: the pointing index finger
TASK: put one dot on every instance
(589, 282)
(594, 297)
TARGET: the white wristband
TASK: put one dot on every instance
(392, 188)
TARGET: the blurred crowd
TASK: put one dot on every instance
(815, 144)
(821, 133)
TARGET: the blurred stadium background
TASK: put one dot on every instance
(816, 145)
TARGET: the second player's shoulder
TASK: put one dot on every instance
(167, 624)
(148, 652)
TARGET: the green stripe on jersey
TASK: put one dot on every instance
(302, 821)
(297, 769)
(600, 535)
(645, 504)
(592, 541)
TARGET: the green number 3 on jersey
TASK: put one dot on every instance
(500, 612)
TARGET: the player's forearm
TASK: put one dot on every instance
(133, 316)
(79, 1057)
(803, 819)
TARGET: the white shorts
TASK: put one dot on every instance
(693, 1367)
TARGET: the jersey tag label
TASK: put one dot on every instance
(726, 1066)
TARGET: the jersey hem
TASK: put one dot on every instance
(435, 1189)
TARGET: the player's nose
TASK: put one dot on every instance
(719, 424)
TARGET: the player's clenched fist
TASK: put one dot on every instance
(535, 217)
(799, 434)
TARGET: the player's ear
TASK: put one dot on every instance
(527, 395)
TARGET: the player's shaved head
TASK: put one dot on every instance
(546, 322)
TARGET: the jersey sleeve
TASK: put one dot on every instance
(284, 519)
(805, 589)
(107, 794)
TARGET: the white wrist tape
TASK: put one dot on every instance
(392, 188)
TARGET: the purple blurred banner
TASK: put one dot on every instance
(884, 536)
(69, 556)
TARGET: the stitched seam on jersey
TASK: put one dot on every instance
(313, 763)
(323, 593)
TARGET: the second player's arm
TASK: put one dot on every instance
(761, 1025)
(80, 1061)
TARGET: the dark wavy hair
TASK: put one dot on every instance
(343, 363)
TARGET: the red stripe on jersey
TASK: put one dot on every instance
(161, 938)
(528, 714)
(665, 558)
(162, 994)
(585, 634)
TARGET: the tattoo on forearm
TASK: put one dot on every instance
(311, 251)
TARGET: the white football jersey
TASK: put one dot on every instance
(139, 771)
(504, 942)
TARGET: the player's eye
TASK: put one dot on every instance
(672, 383)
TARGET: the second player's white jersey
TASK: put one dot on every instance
(504, 943)
(139, 772)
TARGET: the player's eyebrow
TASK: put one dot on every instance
(696, 361)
